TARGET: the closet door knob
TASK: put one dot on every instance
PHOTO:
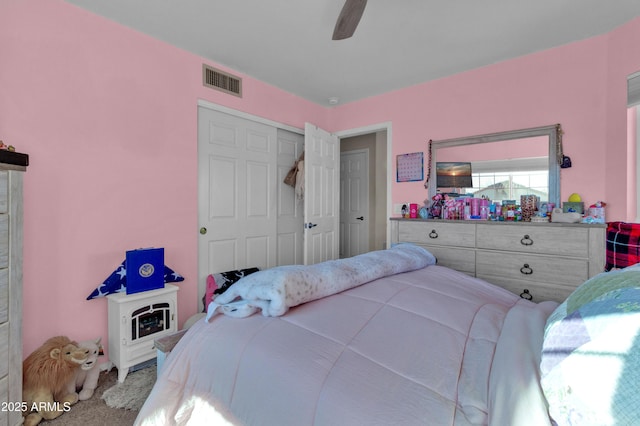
(203, 230)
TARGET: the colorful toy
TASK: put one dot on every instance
(85, 381)
(45, 375)
(574, 198)
(8, 148)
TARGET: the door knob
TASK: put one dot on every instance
(203, 230)
(360, 218)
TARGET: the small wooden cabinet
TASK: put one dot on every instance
(11, 177)
(135, 321)
(548, 260)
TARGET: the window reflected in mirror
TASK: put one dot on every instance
(503, 170)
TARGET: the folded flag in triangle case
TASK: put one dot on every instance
(147, 271)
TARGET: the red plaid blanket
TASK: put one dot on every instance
(623, 245)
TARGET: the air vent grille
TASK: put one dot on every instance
(220, 80)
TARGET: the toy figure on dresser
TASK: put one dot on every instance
(596, 213)
(436, 206)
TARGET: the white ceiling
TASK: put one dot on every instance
(399, 43)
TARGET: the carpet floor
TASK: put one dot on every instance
(94, 411)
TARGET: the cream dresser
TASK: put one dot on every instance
(10, 293)
(541, 261)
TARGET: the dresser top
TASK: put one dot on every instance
(502, 223)
(11, 160)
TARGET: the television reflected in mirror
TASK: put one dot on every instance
(453, 175)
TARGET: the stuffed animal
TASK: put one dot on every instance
(45, 375)
(85, 380)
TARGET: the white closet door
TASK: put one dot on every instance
(322, 192)
(237, 196)
(290, 208)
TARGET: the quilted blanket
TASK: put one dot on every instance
(591, 353)
(275, 290)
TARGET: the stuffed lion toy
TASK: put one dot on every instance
(85, 381)
(45, 375)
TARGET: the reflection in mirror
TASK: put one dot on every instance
(505, 165)
(503, 170)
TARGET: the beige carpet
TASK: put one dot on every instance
(95, 411)
(131, 394)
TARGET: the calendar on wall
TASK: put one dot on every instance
(410, 167)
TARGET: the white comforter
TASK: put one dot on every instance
(428, 347)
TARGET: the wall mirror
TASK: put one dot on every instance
(506, 165)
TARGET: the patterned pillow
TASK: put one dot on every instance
(117, 281)
(590, 365)
(219, 283)
(623, 245)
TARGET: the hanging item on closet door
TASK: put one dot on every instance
(290, 178)
(300, 180)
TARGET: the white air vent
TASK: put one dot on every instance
(220, 80)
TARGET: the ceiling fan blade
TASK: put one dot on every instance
(348, 19)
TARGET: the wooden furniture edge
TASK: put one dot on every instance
(166, 343)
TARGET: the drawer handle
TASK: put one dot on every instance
(526, 269)
(526, 295)
(433, 234)
(526, 241)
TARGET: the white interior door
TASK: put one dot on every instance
(290, 208)
(322, 192)
(354, 203)
(237, 194)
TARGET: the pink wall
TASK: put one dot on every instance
(581, 85)
(109, 118)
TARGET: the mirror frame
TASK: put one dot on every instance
(553, 132)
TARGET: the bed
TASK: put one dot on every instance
(416, 344)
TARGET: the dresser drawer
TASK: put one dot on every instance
(4, 295)
(544, 269)
(4, 398)
(4, 349)
(538, 292)
(460, 259)
(4, 187)
(4, 240)
(564, 241)
(438, 233)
